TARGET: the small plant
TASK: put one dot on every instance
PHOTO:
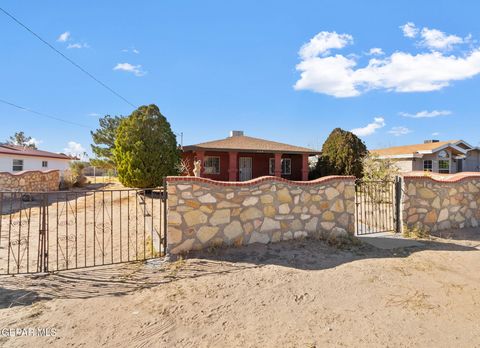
(76, 174)
(415, 232)
(343, 242)
(184, 168)
(215, 246)
(150, 249)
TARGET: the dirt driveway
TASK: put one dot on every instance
(289, 294)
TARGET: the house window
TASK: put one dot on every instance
(17, 165)
(443, 162)
(211, 165)
(44, 164)
(444, 166)
(427, 165)
(286, 166)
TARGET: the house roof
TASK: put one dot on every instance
(416, 150)
(16, 150)
(250, 144)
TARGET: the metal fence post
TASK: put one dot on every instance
(398, 204)
(42, 260)
(165, 225)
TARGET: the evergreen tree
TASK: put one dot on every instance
(145, 148)
(104, 142)
(20, 139)
(342, 154)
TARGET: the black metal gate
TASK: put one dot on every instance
(53, 231)
(377, 206)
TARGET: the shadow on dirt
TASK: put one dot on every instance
(18, 297)
(120, 280)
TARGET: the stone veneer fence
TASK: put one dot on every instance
(30, 181)
(203, 212)
(433, 205)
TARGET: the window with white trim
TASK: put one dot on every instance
(44, 164)
(17, 165)
(427, 165)
(286, 166)
(211, 165)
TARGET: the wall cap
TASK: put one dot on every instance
(451, 179)
(256, 181)
(24, 172)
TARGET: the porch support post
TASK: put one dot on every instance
(232, 166)
(278, 164)
(201, 157)
(304, 167)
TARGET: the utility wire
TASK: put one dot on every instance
(42, 114)
(68, 59)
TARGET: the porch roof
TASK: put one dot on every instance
(243, 143)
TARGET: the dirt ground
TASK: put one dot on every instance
(289, 294)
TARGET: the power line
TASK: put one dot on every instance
(68, 59)
(42, 114)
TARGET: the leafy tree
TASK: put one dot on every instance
(342, 154)
(375, 169)
(145, 148)
(104, 142)
(20, 139)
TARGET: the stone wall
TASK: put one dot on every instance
(203, 212)
(433, 205)
(30, 181)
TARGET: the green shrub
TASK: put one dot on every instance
(145, 149)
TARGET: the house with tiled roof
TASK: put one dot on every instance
(240, 158)
(444, 157)
(14, 159)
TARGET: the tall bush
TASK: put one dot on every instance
(145, 148)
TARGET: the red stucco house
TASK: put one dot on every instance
(241, 158)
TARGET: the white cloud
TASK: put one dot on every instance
(435, 134)
(438, 40)
(78, 45)
(338, 75)
(75, 149)
(369, 129)
(376, 51)
(433, 39)
(94, 114)
(136, 51)
(321, 43)
(398, 131)
(35, 142)
(134, 69)
(64, 37)
(427, 114)
(409, 30)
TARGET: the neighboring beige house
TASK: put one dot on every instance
(444, 157)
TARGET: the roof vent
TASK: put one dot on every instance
(429, 141)
(236, 133)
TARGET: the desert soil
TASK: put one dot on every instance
(289, 294)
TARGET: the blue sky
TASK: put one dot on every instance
(282, 70)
